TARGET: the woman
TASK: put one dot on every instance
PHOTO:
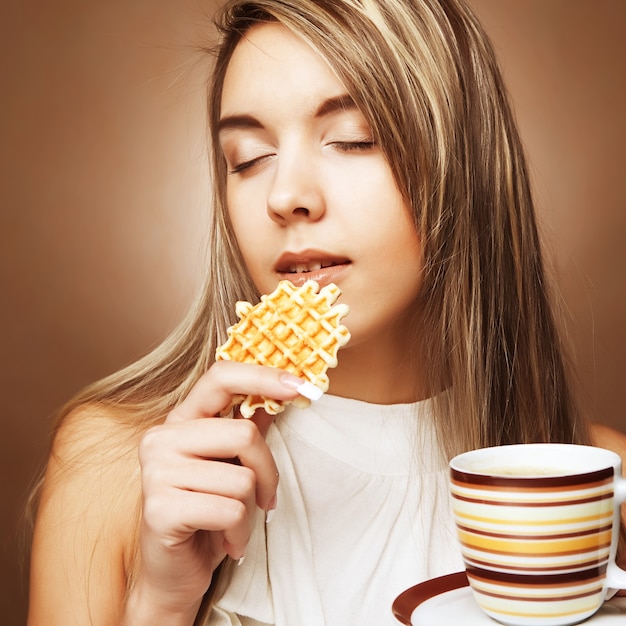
(369, 144)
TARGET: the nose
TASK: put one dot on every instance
(296, 192)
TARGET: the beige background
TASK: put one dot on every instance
(103, 194)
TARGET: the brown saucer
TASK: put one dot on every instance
(404, 605)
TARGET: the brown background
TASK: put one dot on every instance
(103, 193)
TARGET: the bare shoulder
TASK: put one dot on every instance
(84, 540)
(94, 444)
(607, 437)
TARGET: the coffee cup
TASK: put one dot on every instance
(538, 526)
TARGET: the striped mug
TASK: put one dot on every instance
(538, 526)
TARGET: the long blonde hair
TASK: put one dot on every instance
(425, 76)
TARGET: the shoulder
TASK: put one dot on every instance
(605, 436)
(88, 513)
(94, 453)
(94, 444)
(93, 464)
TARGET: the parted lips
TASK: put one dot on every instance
(296, 329)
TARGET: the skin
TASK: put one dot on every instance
(308, 196)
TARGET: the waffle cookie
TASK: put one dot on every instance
(296, 329)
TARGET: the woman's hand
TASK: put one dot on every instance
(202, 479)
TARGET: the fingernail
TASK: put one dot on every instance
(310, 391)
(241, 560)
(291, 381)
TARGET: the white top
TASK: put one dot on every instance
(362, 515)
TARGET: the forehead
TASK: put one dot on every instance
(270, 61)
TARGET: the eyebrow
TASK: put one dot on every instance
(343, 102)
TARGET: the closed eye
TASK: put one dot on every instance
(351, 146)
(245, 165)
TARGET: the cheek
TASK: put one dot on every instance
(392, 229)
(244, 216)
(243, 229)
(234, 207)
(254, 245)
(399, 251)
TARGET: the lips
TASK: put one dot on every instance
(309, 261)
(310, 265)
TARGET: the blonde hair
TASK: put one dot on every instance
(425, 76)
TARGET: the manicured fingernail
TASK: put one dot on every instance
(291, 381)
(310, 391)
(241, 560)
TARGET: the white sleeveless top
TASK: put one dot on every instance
(362, 515)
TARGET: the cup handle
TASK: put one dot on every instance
(615, 575)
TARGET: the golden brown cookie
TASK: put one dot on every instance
(296, 329)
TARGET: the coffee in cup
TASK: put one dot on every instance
(538, 527)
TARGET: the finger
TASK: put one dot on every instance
(226, 380)
(253, 453)
(187, 445)
(184, 513)
(229, 516)
(211, 477)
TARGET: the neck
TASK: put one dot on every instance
(386, 370)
